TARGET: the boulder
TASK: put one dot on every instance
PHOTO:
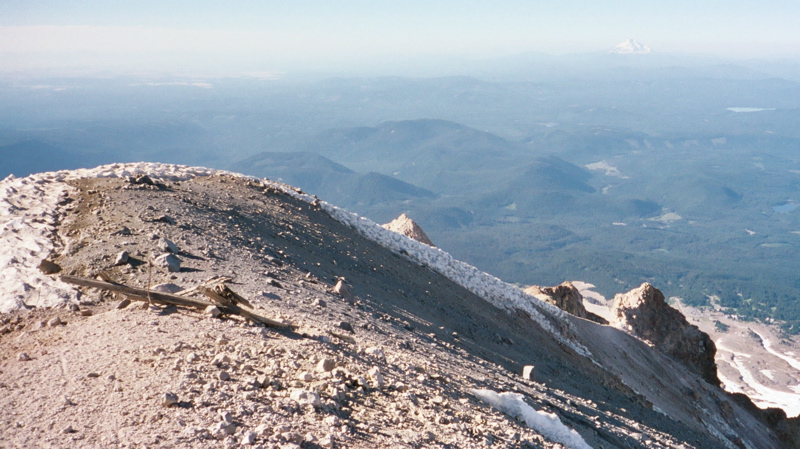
(407, 227)
(644, 313)
(566, 297)
(141, 180)
(49, 267)
(122, 258)
(167, 245)
(167, 288)
(305, 397)
(169, 399)
(343, 290)
(377, 378)
(213, 311)
(527, 372)
(169, 262)
(326, 365)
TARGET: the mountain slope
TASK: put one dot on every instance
(433, 154)
(429, 330)
(337, 183)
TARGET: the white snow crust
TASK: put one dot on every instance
(794, 363)
(547, 424)
(28, 213)
(488, 287)
(762, 395)
(27, 219)
(25, 242)
(631, 47)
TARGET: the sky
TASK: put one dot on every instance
(52, 36)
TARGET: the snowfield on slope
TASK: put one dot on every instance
(28, 213)
(546, 424)
(762, 395)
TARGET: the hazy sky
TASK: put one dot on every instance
(190, 36)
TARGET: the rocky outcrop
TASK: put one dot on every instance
(644, 313)
(566, 297)
(786, 429)
(406, 226)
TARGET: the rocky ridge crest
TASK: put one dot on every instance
(407, 227)
(566, 297)
(645, 313)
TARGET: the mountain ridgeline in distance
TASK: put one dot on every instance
(630, 47)
(318, 174)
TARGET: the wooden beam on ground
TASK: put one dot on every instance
(142, 294)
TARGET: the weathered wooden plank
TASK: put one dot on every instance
(141, 294)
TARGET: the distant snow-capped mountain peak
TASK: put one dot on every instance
(631, 47)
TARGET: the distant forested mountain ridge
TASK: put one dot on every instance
(538, 169)
(666, 211)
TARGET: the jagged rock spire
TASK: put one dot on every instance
(406, 226)
(644, 313)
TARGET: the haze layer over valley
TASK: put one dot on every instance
(612, 169)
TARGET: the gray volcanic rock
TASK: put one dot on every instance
(406, 226)
(566, 297)
(169, 262)
(647, 315)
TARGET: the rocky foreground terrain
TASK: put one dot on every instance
(391, 343)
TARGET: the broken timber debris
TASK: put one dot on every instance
(141, 294)
(342, 337)
(217, 292)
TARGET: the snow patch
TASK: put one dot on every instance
(27, 223)
(202, 85)
(721, 347)
(739, 109)
(761, 395)
(547, 424)
(667, 218)
(28, 214)
(631, 47)
(794, 363)
(587, 291)
(606, 168)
